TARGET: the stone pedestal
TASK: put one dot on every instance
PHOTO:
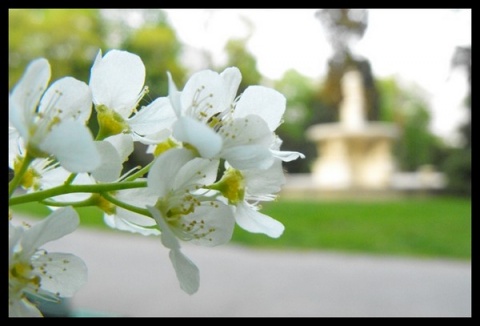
(353, 153)
(353, 158)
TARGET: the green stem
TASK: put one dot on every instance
(68, 189)
(17, 178)
(87, 202)
(140, 172)
(70, 179)
(126, 206)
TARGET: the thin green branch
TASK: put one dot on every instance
(140, 172)
(83, 203)
(135, 209)
(70, 179)
(68, 189)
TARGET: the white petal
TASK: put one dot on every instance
(197, 171)
(22, 308)
(252, 221)
(110, 165)
(153, 139)
(117, 80)
(248, 157)
(164, 170)
(67, 98)
(167, 236)
(264, 182)
(72, 144)
(123, 144)
(204, 139)
(174, 96)
(153, 118)
(26, 94)
(138, 197)
(135, 218)
(118, 221)
(15, 145)
(263, 101)
(204, 95)
(231, 78)
(187, 272)
(63, 274)
(248, 130)
(287, 156)
(15, 234)
(58, 224)
(98, 58)
(214, 224)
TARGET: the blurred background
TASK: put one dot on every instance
(388, 149)
(415, 64)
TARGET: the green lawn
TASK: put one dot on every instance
(434, 227)
(430, 227)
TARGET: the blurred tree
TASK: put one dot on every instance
(458, 165)
(409, 111)
(156, 42)
(304, 108)
(68, 38)
(344, 27)
(71, 38)
(462, 59)
(239, 56)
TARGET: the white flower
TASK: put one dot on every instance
(117, 84)
(125, 220)
(35, 272)
(204, 109)
(114, 151)
(205, 95)
(218, 126)
(177, 178)
(187, 272)
(245, 189)
(52, 122)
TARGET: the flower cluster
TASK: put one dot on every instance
(215, 159)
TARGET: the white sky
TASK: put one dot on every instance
(414, 45)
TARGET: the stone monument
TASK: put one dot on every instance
(353, 153)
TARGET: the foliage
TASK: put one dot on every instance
(409, 111)
(69, 38)
(159, 47)
(304, 108)
(458, 165)
(343, 26)
(239, 56)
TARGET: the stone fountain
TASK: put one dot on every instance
(353, 153)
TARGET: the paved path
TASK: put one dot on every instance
(131, 275)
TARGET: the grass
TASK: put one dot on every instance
(437, 227)
(429, 227)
